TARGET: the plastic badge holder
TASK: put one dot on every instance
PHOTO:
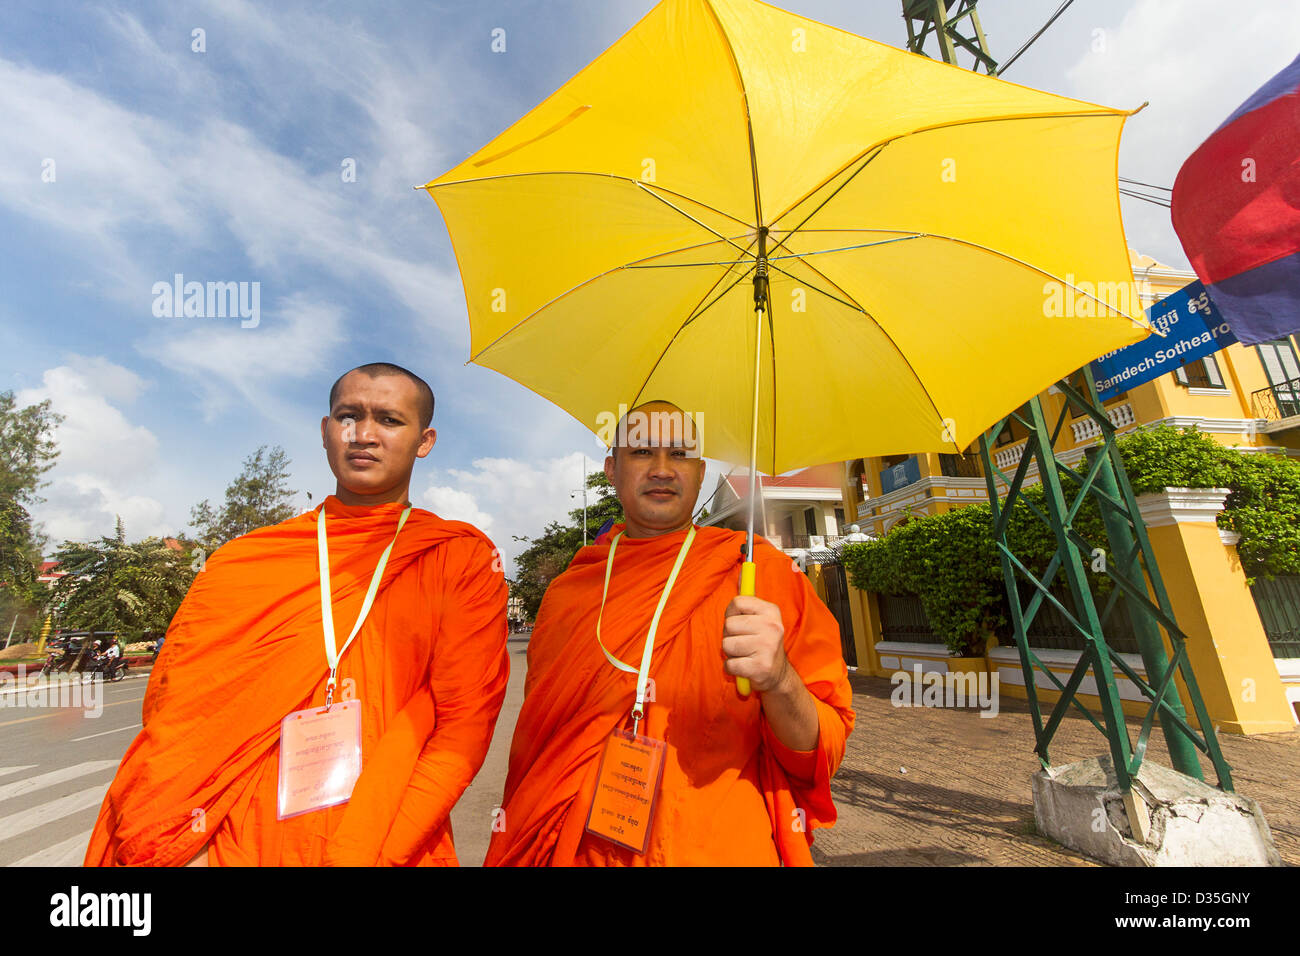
(627, 789)
(320, 758)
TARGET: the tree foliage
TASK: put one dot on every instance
(115, 585)
(1263, 503)
(27, 448)
(550, 553)
(949, 560)
(259, 496)
(27, 452)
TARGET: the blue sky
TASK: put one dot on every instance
(225, 165)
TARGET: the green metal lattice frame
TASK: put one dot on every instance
(943, 19)
(1136, 576)
(1132, 564)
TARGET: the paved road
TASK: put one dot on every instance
(918, 787)
(56, 762)
(471, 818)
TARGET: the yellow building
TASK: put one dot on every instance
(1246, 397)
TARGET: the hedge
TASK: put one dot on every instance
(949, 560)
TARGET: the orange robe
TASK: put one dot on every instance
(246, 648)
(731, 793)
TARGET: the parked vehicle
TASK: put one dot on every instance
(65, 652)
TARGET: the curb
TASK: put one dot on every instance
(140, 660)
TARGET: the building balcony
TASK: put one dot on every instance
(1085, 429)
(1278, 405)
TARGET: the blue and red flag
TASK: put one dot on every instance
(1236, 208)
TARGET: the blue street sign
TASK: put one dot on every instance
(1194, 329)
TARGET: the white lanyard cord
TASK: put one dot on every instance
(332, 653)
(642, 675)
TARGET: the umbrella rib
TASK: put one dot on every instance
(749, 122)
(429, 187)
(630, 265)
(847, 300)
(883, 331)
(862, 245)
(694, 314)
(991, 251)
(929, 129)
(868, 161)
(702, 225)
(793, 255)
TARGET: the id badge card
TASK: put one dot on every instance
(627, 787)
(320, 758)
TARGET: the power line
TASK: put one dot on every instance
(1030, 42)
(1154, 200)
(1134, 182)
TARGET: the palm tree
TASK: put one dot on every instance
(116, 585)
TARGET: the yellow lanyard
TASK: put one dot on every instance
(642, 675)
(332, 653)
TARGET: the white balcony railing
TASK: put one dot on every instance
(1009, 457)
(1086, 429)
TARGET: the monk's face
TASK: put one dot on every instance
(373, 435)
(658, 472)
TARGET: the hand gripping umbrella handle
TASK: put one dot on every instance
(747, 571)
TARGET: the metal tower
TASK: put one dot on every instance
(945, 21)
(1130, 564)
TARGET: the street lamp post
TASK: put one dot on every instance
(584, 500)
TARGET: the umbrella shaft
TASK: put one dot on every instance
(753, 435)
(760, 303)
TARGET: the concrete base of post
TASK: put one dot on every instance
(1168, 819)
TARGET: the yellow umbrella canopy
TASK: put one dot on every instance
(940, 245)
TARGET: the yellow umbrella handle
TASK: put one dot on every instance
(747, 572)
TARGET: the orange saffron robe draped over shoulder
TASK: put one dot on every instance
(246, 648)
(731, 794)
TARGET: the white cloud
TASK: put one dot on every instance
(510, 497)
(292, 341)
(1195, 61)
(95, 437)
(507, 498)
(102, 453)
(193, 182)
(455, 505)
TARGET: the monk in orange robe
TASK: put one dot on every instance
(428, 668)
(745, 779)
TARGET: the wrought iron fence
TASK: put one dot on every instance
(903, 618)
(1278, 401)
(1278, 601)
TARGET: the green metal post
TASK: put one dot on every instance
(1182, 752)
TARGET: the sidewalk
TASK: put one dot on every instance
(945, 787)
(936, 787)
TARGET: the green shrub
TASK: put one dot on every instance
(949, 560)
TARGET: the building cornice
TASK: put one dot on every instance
(1182, 506)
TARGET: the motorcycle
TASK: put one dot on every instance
(113, 668)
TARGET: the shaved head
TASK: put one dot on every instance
(663, 420)
(378, 369)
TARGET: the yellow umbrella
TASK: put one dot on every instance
(821, 246)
